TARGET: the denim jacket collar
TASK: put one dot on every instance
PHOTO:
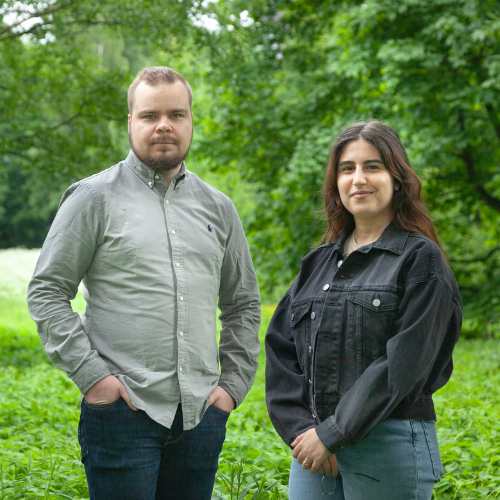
(146, 174)
(392, 239)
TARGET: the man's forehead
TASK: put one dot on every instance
(160, 94)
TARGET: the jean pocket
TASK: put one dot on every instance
(220, 410)
(101, 406)
(433, 446)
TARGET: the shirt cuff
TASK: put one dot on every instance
(330, 436)
(234, 386)
(90, 373)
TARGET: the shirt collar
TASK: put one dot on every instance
(147, 174)
(392, 239)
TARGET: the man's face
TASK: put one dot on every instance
(160, 127)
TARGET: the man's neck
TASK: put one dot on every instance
(168, 175)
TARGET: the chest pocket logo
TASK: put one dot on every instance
(371, 317)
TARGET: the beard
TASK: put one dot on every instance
(162, 162)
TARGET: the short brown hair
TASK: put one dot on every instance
(154, 76)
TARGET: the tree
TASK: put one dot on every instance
(303, 70)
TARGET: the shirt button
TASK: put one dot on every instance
(326, 287)
(339, 263)
(157, 176)
(173, 231)
(167, 202)
(180, 368)
(313, 315)
(376, 302)
(181, 334)
(177, 264)
(181, 297)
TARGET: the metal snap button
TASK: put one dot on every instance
(313, 315)
(376, 302)
(326, 287)
(339, 263)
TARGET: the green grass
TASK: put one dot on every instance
(39, 411)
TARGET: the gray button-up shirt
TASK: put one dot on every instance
(155, 264)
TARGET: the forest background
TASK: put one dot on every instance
(274, 82)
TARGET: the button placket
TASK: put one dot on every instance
(174, 235)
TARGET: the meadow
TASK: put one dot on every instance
(39, 411)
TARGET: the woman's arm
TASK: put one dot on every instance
(427, 327)
(287, 395)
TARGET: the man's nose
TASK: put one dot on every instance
(163, 126)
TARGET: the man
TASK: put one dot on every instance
(156, 249)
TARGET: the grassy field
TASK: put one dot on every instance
(39, 411)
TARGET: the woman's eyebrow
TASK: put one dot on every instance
(347, 162)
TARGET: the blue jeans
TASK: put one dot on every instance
(399, 460)
(129, 456)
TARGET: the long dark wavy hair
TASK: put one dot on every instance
(409, 209)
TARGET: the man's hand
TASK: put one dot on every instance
(222, 399)
(107, 390)
(311, 452)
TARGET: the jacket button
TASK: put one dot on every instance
(310, 381)
(313, 315)
(376, 302)
(326, 287)
(310, 349)
(293, 316)
(339, 263)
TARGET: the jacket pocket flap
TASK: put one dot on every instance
(376, 300)
(298, 312)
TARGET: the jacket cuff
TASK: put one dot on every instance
(89, 374)
(330, 436)
(235, 386)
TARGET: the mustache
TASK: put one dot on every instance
(166, 138)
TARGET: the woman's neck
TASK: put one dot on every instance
(367, 231)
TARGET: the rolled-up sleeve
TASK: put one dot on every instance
(403, 371)
(239, 303)
(64, 259)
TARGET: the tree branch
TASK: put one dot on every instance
(494, 118)
(468, 159)
(49, 10)
(477, 259)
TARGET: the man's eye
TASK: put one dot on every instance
(149, 117)
(176, 115)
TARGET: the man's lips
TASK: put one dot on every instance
(359, 195)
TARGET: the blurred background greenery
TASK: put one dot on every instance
(274, 83)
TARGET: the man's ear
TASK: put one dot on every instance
(129, 118)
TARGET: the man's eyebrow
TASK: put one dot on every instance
(348, 162)
(156, 111)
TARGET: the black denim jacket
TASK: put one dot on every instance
(361, 339)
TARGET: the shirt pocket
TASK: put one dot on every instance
(300, 323)
(372, 316)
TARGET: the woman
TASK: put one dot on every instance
(365, 334)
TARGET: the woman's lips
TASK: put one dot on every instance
(360, 196)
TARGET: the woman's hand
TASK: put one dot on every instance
(312, 454)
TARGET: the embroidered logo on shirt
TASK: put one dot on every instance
(209, 228)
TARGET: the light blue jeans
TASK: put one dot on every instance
(399, 460)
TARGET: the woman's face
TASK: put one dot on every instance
(365, 185)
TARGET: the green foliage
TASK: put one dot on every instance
(39, 411)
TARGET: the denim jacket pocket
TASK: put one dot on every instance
(373, 316)
(300, 322)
